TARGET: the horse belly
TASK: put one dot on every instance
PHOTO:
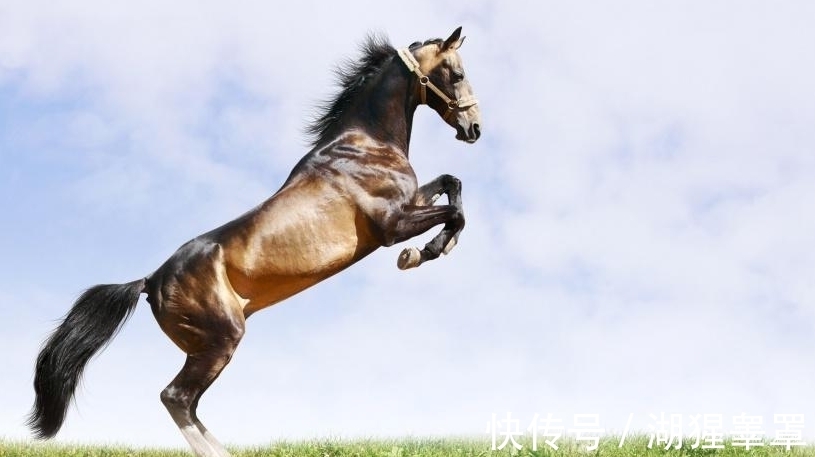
(294, 246)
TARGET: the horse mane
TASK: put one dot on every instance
(351, 78)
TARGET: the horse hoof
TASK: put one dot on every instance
(409, 258)
(450, 245)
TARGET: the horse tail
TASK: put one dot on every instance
(89, 326)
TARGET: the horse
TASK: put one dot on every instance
(353, 192)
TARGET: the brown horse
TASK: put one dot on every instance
(352, 193)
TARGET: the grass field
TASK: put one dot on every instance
(409, 447)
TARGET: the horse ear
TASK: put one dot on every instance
(454, 42)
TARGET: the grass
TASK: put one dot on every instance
(408, 447)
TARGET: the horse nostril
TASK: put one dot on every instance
(476, 131)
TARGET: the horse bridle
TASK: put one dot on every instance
(459, 104)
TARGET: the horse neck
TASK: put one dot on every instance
(386, 107)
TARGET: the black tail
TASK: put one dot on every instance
(90, 324)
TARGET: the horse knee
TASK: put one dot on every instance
(451, 183)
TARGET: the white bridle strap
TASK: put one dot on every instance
(424, 82)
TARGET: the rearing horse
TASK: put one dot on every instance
(352, 193)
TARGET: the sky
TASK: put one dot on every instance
(640, 231)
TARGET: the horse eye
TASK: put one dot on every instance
(458, 76)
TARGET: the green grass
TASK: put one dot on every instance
(408, 447)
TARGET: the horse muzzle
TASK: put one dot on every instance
(469, 135)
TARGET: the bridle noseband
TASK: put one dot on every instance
(424, 82)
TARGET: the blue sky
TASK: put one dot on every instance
(639, 220)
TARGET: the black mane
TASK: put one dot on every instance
(351, 77)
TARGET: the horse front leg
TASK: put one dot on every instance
(445, 240)
(451, 186)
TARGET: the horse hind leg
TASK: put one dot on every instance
(181, 396)
(194, 305)
(209, 335)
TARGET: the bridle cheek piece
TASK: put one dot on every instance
(453, 106)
